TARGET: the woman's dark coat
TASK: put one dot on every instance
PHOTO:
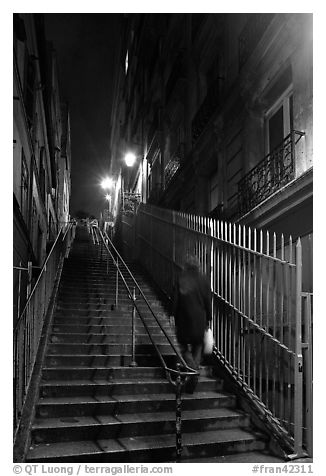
(191, 306)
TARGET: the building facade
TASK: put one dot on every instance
(41, 155)
(218, 111)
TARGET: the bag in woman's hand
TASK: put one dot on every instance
(208, 342)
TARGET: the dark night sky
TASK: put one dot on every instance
(85, 46)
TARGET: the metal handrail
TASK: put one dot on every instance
(166, 368)
(40, 275)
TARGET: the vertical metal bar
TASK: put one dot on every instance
(211, 270)
(133, 330)
(267, 342)
(244, 319)
(281, 330)
(230, 248)
(298, 369)
(308, 374)
(225, 320)
(249, 273)
(249, 346)
(222, 285)
(234, 273)
(230, 263)
(274, 310)
(178, 421)
(239, 319)
(218, 244)
(255, 335)
(261, 312)
(289, 337)
(116, 283)
(225, 264)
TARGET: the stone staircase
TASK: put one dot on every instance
(94, 407)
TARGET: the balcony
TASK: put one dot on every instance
(251, 34)
(269, 175)
(130, 202)
(206, 111)
(173, 165)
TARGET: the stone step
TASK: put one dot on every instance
(123, 360)
(148, 449)
(101, 373)
(103, 338)
(110, 329)
(94, 297)
(86, 406)
(122, 322)
(104, 349)
(133, 425)
(63, 388)
(107, 309)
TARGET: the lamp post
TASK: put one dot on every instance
(106, 184)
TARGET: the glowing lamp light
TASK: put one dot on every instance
(107, 183)
(108, 197)
(130, 159)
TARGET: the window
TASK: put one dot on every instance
(279, 121)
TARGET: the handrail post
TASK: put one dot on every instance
(133, 362)
(116, 284)
(178, 401)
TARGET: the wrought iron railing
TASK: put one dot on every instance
(173, 165)
(28, 327)
(256, 283)
(251, 34)
(130, 201)
(206, 110)
(269, 175)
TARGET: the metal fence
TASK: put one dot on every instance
(262, 328)
(28, 327)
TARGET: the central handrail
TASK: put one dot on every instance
(189, 370)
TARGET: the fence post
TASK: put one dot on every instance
(307, 325)
(178, 436)
(298, 363)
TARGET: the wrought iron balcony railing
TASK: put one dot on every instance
(130, 202)
(269, 175)
(173, 165)
(170, 169)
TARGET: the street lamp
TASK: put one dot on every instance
(130, 159)
(107, 182)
